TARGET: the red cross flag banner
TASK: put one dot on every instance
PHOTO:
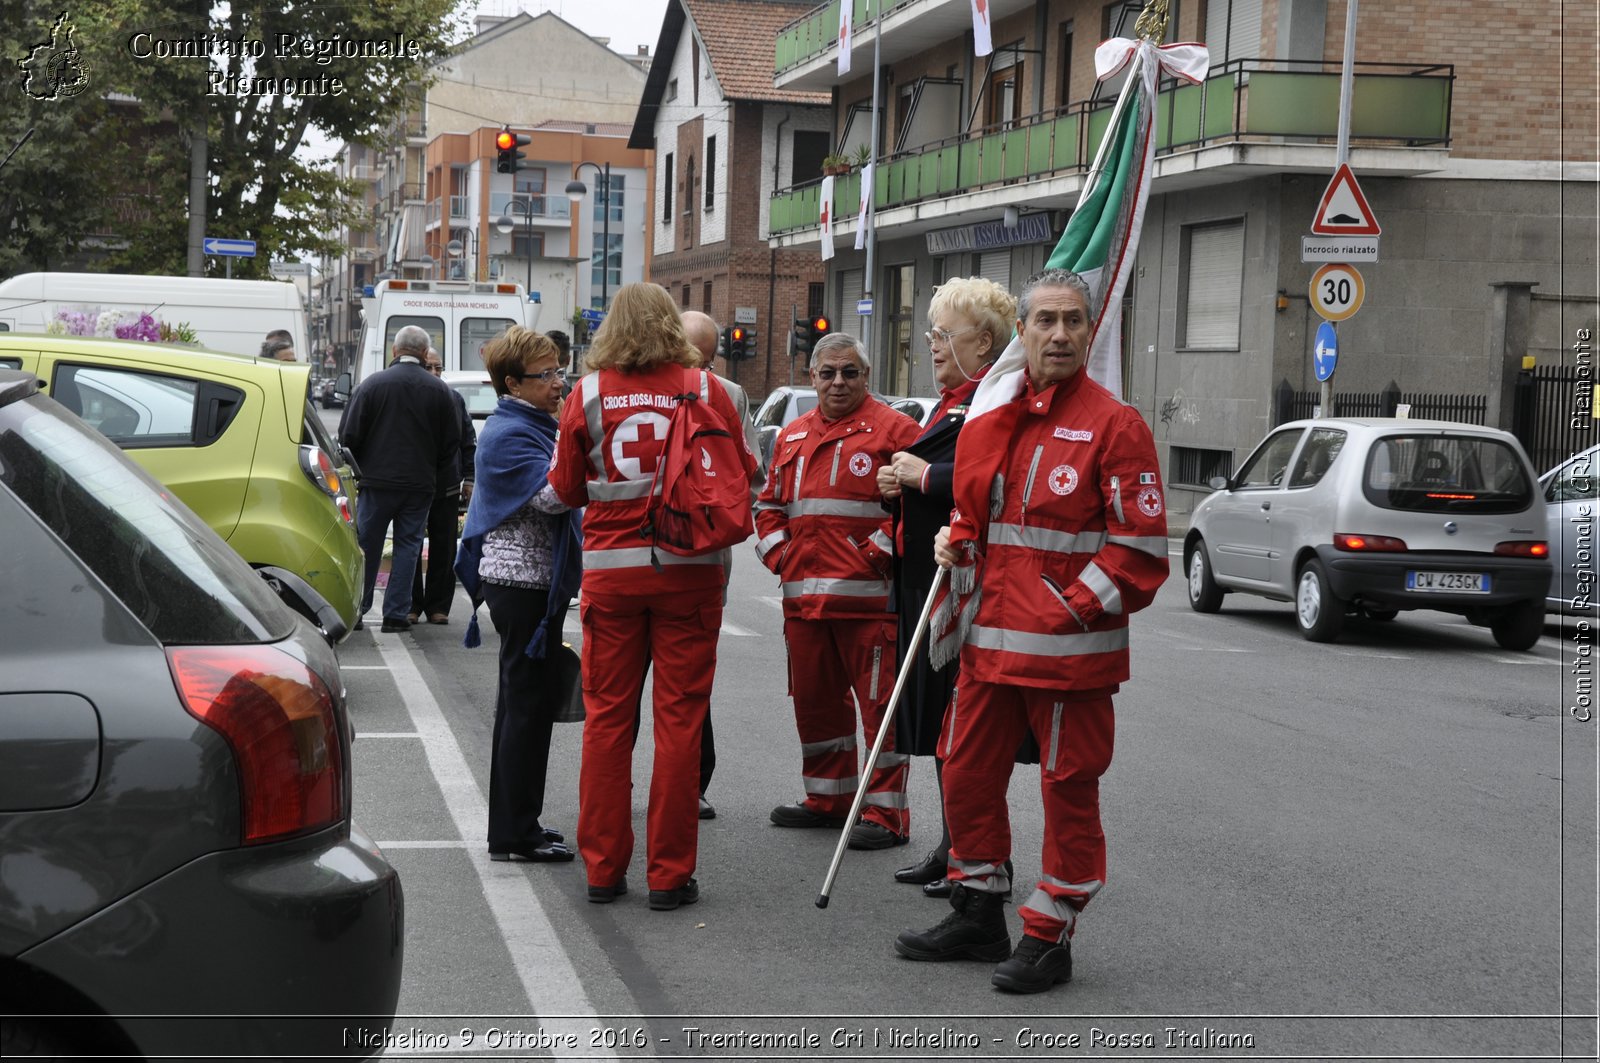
(863, 219)
(844, 37)
(982, 42)
(1099, 244)
(825, 217)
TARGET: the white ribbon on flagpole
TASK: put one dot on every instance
(862, 219)
(825, 217)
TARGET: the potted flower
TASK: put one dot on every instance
(834, 165)
(862, 156)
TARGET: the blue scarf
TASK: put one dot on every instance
(515, 451)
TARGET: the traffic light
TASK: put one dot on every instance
(506, 142)
(807, 331)
(737, 342)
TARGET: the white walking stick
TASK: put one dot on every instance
(883, 729)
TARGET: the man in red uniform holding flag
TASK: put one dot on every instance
(822, 529)
(1059, 534)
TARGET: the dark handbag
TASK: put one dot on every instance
(566, 683)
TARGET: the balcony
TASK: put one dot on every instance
(460, 208)
(545, 207)
(1252, 102)
(804, 56)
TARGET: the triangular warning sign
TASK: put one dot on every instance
(1344, 210)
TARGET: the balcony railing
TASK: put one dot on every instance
(460, 207)
(554, 207)
(1247, 99)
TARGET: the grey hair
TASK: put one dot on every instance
(412, 340)
(841, 341)
(1052, 278)
(271, 346)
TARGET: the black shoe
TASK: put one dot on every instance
(360, 624)
(929, 869)
(607, 894)
(666, 900)
(798, 815)
(940, 887)
(706, 811)
(552, 835)
(869, 835)
(392, 626)
(1035, 966)
(548, 853)
(975, 929)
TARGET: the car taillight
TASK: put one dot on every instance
(1523, 548)
(319, 469)
(280, 721)
(1371, 544)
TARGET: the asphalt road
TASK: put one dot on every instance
(1378, 848)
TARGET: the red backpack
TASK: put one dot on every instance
(703, 504)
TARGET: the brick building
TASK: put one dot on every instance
(724, 140)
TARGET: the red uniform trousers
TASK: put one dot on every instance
(827, 660)
(1074, 728)
(622, 635)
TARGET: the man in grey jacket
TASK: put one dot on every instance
(404, 431)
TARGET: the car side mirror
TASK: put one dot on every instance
(766, 436)
(341, 386)
(1220, 483)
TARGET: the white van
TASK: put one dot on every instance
(459, 316)
(232, 316)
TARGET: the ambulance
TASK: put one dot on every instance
(459, 316)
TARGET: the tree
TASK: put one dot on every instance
(350, 64)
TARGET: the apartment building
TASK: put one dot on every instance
(1473, 135)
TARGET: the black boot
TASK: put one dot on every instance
(974, 930)
(1037, 965)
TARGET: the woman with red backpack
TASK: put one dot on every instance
(641, 603)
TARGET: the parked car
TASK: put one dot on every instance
(915, 407)
(478, 391)
(329, 396)
(234, 437)
(1376, 516)
(780, 407)
(1571, 506)
(175, 780)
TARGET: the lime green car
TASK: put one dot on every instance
(234, 437)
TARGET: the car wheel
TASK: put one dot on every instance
(1319, 614)
(1380, 614)
(1204, 594)
(1518, 627)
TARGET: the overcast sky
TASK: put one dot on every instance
(629, 23)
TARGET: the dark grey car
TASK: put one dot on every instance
(175, 833)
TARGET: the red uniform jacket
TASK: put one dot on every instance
(1079, 543)
(613, 427)
(820, 522)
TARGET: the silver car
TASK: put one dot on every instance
(1372, 516)
(1570, 503)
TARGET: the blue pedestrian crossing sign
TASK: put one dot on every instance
(1325, 353)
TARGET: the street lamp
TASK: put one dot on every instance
(575, 192)
(504, 225)
(455, 247)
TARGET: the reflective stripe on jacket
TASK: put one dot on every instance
(820, 522)
(1080, 542)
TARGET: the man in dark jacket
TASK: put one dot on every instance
(404, 431)
(433, 591)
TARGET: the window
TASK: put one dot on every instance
(805, 161)
(1212, 281)
(705, 299)
(1573, 482)
(896, 376)
(527, 245)
(688, 188)
(530, 184)
(815, 295)
(685, 299)
(9, 363)
(1064, 63)
(433, 326)
(611, 258)
(1436, 473)
(475, 333)
(1317, 457)
(1005, 91)
(1266, 467)
(130, 408)
(711, 172)
(1232, 30)
(666, 190)
(672, 90)
(1195, 466)
(609, 193)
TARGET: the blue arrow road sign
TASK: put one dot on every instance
(592, 316)
(1325, 354)
(216, 245)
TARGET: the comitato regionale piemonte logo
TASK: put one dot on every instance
(54, 69)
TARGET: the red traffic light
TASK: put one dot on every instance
(820, 324)
(737, 334)
(506, 140)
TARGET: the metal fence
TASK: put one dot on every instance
(1292, 405)
(1552, 413)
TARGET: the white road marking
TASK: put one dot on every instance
(446, 844)
(548, 977)
(1379, 656)
(388, 734)
(776, 601)
(363, 668)
(738, 632)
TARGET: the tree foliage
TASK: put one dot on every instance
(130, 133)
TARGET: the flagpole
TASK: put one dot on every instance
(870, 172)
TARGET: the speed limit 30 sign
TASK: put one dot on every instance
(1337, 291)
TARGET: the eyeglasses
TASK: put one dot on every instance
(435, 369)
(943, 336)
(545, 375)
(849, 372)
